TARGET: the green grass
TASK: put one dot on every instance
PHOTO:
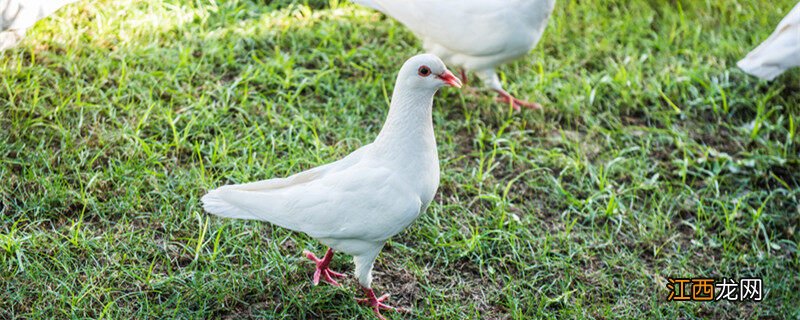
(654, 157)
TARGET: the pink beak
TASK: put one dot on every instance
(450, 79)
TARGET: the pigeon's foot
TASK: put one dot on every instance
(323, 271)
(377, 303)
(507, 98)
(463, 76)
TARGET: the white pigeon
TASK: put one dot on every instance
(357, 203)
(779, 52)
(476, 35)
(16, 16)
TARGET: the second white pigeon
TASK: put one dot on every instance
(16, 16)
(477, 35)
(779, 52)
(357, 203)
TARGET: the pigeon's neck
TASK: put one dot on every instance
(409, 122)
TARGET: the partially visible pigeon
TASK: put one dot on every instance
(477, 35)
(779, 52)
(16, 16)
(357, 203)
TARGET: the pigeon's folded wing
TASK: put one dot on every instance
(305, 176)
(340, 204)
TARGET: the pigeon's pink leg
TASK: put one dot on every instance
(376, 303)
(463, 76)
(506, 97)
(322, 268)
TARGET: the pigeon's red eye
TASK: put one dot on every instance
(424, 71)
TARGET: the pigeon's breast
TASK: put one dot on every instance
(429, 183)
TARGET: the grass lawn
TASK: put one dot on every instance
(655, 157)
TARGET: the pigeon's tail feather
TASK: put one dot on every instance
(215, 203)
(238, 203)
(256, 200)
(235, 202)
(758, 69)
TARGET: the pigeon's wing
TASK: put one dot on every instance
(303, 177)
(779, 52)
(353, 202)
(21, 14)
(472, 27)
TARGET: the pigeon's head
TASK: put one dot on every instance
(427, 71)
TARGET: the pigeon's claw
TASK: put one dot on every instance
(377, 303)
(328, 276)
(507, 98)
(463, 76)
(336, 274)
(323, 272)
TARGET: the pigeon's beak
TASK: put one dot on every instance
(450, 79)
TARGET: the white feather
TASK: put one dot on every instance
(16, 16)
(779, 52)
